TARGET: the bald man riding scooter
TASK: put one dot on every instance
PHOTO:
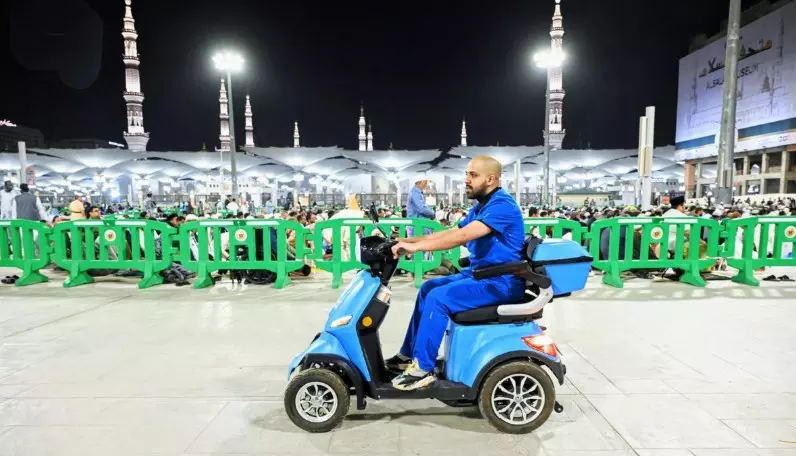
(493, 233)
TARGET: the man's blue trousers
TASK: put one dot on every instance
(439, 298)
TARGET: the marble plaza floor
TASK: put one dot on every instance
(655, 369)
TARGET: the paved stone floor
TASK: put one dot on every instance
(655, 369)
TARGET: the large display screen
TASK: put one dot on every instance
(766, 108)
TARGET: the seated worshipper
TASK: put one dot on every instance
(677, 210)
(493, 233)
(353, 211)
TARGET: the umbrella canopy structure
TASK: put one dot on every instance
(285, 164)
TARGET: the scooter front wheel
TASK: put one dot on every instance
(317, 400)
(517, 397)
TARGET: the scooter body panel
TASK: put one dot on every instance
(352, 303)
(473, 349)
(323, 344)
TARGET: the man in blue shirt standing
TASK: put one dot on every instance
(416, 204)
(493, 233)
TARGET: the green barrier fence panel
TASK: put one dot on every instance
(418, 264)
(337, 265)
(652, 232)
(421, 262)
(83, 245)
(759, 238)
(554, 228)
(18, 249)
(242, 233)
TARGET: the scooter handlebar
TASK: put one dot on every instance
(388, 249)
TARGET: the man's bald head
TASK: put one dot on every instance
(483, 176)
(487, 165)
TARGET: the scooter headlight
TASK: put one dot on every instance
(342, 321)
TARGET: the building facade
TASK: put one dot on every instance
(765, 133)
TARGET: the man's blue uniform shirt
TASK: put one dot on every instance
(501, 213)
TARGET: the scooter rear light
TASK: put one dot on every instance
(541, 343)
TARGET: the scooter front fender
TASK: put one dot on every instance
(323, 344)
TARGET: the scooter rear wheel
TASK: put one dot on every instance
(317, 400)
(517, 397)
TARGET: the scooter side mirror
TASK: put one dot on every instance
(374, 217)
(373, 214)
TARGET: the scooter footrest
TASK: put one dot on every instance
(441, 389)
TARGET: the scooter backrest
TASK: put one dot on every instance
(531, 242)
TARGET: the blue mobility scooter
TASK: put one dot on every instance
(494, 357)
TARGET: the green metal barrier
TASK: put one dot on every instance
(18, 242)
(554, 228)
(336, 265)
(83, 245)
(757, 249)
(242, 233)
(655, 231)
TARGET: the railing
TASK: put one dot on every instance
(654, 243)
(24, 245)
(688, 244)
(555, 228)
(755, 242)
(201, 248)
(82, 245)
(344, 235)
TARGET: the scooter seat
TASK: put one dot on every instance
(489, 315)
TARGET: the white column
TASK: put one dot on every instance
(398, 193)
(23, 162)
(517, 182)
(642, 141)
(649, 145)
(698, 192)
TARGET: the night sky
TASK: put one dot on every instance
(419, 67)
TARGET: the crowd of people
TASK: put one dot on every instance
(24, 205)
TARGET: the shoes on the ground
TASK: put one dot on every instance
(413, 378)
(398, 363)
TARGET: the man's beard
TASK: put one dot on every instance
(475, 193)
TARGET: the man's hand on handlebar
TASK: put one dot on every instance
(403, 248)
(410, 240)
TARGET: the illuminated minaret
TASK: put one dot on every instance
(362, 136)
(555, 79)
(135, 136)
(249, 123)
(224, 117)
(370, 137)
(296, 136)
(464, 133)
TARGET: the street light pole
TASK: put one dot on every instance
(232, 147)
(546, 184)
(729, 97)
